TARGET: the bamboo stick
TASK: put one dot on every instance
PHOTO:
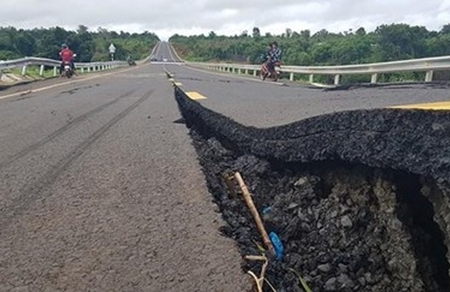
(249, 201)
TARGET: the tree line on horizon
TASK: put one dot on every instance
(90, 46)
(391, 42)
(386, 43)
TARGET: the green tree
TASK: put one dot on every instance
(42, 42)
(256, 32)
(401, 41)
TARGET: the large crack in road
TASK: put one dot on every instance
(359, 199)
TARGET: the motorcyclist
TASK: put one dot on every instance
(67, 56)
(275, 55)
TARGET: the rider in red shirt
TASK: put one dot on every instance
(67, 57)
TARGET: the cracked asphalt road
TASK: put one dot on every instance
(102, 191)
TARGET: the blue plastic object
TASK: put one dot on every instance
(267, 210)
(277, 245)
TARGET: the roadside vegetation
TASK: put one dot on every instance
(88, 45)
(386, 43)
(32, 72)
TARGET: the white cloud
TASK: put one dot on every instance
(223, 16)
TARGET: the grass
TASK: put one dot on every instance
(32, 72)
(301, 280)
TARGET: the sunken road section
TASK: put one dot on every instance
(359, 199)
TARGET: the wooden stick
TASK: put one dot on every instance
(259, 281)
(255, 258)
(249, 201)
(262, 259)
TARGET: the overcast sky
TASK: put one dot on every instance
(229, 17)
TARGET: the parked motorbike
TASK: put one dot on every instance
(273, 73)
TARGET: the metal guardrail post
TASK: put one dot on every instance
(373, 78)
(255, 73)
(41, 71)
(311, 78)
(336, 79)
(55, 71)
(291, 77)
(24, 70)
(429, 76)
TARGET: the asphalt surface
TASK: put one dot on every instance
(264, 104)
(102, 191)
(164, 51)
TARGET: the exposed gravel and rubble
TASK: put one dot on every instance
(359, 199)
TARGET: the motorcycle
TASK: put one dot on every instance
(274, 73)
(68, 71)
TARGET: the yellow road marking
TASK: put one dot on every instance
(73, 81)
(442, 105)
(195, 95)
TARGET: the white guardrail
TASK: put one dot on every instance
(24, 63)
(427, 65)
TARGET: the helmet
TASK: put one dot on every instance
(64, 45)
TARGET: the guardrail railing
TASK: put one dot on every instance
(427, 65)
(26, 62)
